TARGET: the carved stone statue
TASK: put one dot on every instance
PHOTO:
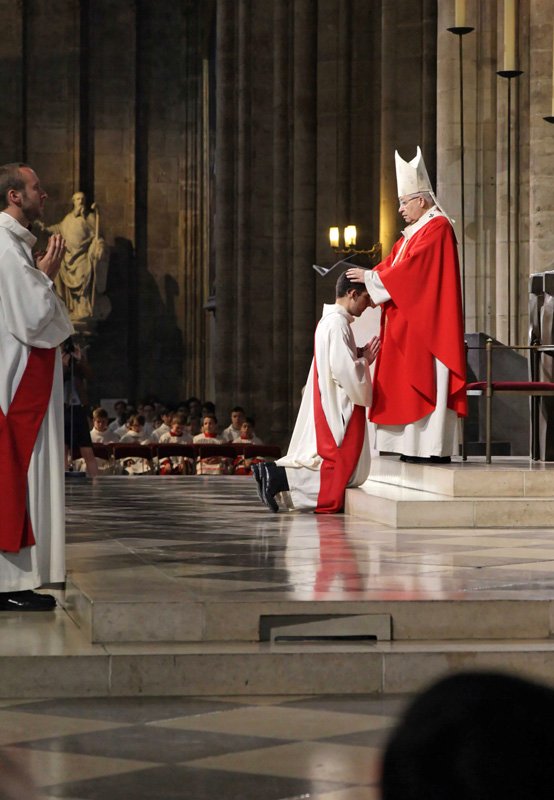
(81, 282)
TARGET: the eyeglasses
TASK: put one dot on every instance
(405, 201)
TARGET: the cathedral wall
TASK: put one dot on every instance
(218, 166)
(104, 96)
(531, 191)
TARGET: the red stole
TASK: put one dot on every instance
(18, 434)
(339, 461)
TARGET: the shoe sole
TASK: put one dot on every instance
(258, 479)
(269, 501)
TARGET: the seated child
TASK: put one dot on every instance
(208, 434)
(120, 408)
(166, 415)
(101, 434)
(233, 430)
(136, 434)
(176, 465)
(212, 465)
(243, 465)
(247, 434)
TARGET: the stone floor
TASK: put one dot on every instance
(196, 749)
(208, 540)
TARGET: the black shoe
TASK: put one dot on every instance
(274, 480)
(414, 459)
(426, 459)
(257, 473)
(26, 601)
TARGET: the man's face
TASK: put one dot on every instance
(237, 418)
(359, 301)
(101, 424)
(32, 196)
(411, 208)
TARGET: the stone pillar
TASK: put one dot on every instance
(541, 138)
(12, 79)
(282, 273)
(407, 117)
(225, 213)
(52, 79)
(302, 286)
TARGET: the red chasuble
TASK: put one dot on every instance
(339, 461)
(422, 321)
(18, 433)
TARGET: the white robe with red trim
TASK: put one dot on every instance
(31, 315)
(344, 382)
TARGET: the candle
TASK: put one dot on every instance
(553, 70)
(334, 237)
(460, 14)
(509, 35)
(350, 235)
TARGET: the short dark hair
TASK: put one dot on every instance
(237, 408)
(11, 178)
(473, 736)
(344, 285)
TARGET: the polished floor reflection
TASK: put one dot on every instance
(199, 748)
(211, 536)
(208, 546)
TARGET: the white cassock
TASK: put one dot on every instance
(344, 382)
(434, 435)
(31, 315)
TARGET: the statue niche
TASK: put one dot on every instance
(81, 281)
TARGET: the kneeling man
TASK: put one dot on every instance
(329, 449)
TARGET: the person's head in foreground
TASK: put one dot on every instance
(473, 736)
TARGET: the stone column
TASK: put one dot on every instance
(541, 138)
(13, 119)
(282, 273)
(225, 217)
(302, 287)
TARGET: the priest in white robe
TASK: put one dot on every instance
(33, 323)
(329, 449)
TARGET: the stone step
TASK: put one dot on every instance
(505, 477)
(401, 507)
(232, 618)
(60, 663)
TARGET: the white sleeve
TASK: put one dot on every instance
(348, 372)
(32, 312)
(375, 287)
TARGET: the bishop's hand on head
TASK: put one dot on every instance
(355, 274)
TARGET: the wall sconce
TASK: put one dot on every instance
(350, 235)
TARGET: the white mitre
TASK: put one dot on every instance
(412, 177)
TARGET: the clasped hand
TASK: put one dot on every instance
(370, 349)
(51, 261)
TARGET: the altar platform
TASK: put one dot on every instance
(189, 586)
